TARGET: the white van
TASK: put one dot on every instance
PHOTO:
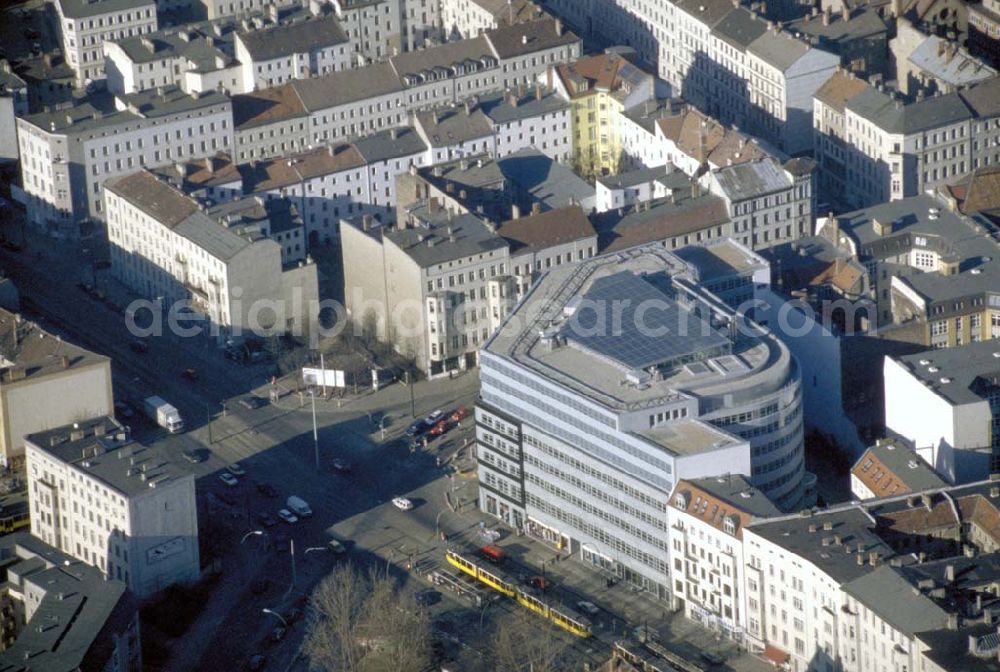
(298, 506)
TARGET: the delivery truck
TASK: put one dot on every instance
(164, 415)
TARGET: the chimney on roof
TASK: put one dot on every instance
(64, 361)
(559, 27)
(520, 90)
(873, 558)
(845, 13)
(462, 194)
(515, 211)
(524, 39)
(366, 222)
(536, 208)
(449, 187)
(434, 205)
(949, 573)
(538, 91)
(827, 15)
(469, 107)
(927, 501)
(860, 558)
(272, 12)
(952, 621)
(210, 164)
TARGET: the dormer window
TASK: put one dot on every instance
(681, 501)
(729, 524)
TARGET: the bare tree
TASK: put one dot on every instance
(522, 641)
(364, 624)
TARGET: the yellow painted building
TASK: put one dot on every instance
(600, 90)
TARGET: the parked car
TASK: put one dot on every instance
(341, 465)
(288, 516)
(440, 427)
(459, 414)
(433, 417)
(336, 547)
(266, 489)
(139, 346)
(229, 479)
(236, 470)
(713, 658)
(588, 608)
(266, 519)
(250, 402)
(402, 503)
(539, 583)
(416, 428)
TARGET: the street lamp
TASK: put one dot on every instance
(252, 533)
(276, 615)
(482, 615)
(314, 548)
(312, 398)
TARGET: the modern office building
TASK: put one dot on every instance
(614, 378)
(127, 509)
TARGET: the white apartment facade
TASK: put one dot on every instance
(276, 55)
(114, 504)
(67, 155)
(367, 100)
(707, 518)
(880, 148)
(85, 25)
(179, 254)
(188, 59)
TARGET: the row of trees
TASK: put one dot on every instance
(363, 623)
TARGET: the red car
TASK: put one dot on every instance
(441, 427)
(459, 414)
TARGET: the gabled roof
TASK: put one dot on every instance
(892, 468)
(296, 38)
(281, 172)
(980, 190)
(887, 593)
(548, 229)
(526, 38)
(839, 89)
(267, 106)
(714, 500)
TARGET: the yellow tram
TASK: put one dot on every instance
(558, 615)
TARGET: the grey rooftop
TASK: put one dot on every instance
(103, 449)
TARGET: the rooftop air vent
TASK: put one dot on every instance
(945, 381)
(924, 362)
(933, 369)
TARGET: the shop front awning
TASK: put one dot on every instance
(775, 655)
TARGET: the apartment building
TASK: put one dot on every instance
(706, 520)
(948, 400)
(932, 272)
(538, 118)
(309, 48)
(68, 154)
(468, 18)
(163, 246)
(600, 89)
(937, 65)
(194, 59)
(881, 148)
(582, 435)
(222, 9)
(892, 467)
(690, 141)
(379, 29)
(768, 203)
(13, 104)
(124, 508)
(450, 275)
(85, 25)
(380, 96)
(62, 614)
(45, 382)
(859, 36)
(984, 30)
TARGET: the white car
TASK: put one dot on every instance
(236, 470)
(228, 479)
(402, 503)
(588, 608)
(434, 416)
(288, 516)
